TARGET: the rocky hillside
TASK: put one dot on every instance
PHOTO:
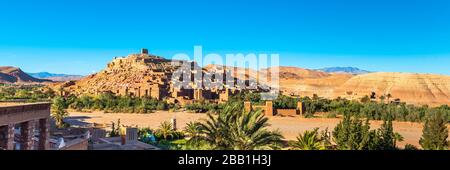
(298, 81)
(129, 72)
(11, 75)
(409, 87)
(419, 89)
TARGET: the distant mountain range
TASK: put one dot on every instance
(55, 77)
(11, 75)
(349, 70)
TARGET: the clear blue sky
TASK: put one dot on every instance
(81, 36)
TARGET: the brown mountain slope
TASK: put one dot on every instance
(305, 82)
(299, 81)
(299, 73)
(284, 72)
(322, 86)
(409, 87)
(16, 75)
(412, 88)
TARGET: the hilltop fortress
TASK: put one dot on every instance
(143, 74)
(146, 75)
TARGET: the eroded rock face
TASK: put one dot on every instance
(296, 81)
(322, 86)
(408, 87)
(412, 88)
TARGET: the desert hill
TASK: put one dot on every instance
(298, 73)
(412, 88)
(296, 81)
(129, 72)
(11, 75)
(284, 72)
(409, 87)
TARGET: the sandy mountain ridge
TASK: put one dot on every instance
(11, 75)
(284, 72)
(412, 88)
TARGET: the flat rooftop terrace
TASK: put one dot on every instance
(23, 112)
(7, 104)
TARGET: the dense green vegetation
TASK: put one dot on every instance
(59, 112)
(435, 133)
(364, 108)
(235, 129)
(312, 140)
(204, 107)
(30, 93)
(351, 133)
(115, 104)
(165, 137)
(231, 129)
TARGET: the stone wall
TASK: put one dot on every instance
(29, 118)
(287, 112)
(24, 113)
(269, 110)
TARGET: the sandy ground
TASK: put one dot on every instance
(290, 127)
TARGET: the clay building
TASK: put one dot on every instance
(24, 126)
(269, 109)
(145, 75)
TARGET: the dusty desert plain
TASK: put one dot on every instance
(290, 127)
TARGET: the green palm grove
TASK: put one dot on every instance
(235, 129)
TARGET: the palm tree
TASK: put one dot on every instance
(59, 112)
(235, 129)
(215, 131)
(309, 140)
(192, 129)
(249, 132)
(166, 130)
(398, 138)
